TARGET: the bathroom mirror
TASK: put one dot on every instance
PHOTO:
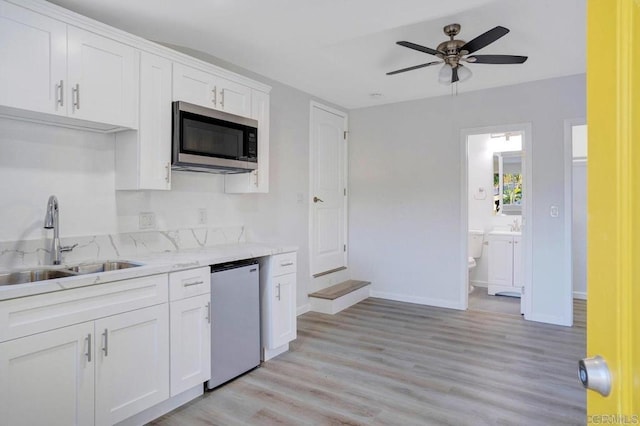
(507, 183)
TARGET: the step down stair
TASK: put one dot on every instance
(334, 299)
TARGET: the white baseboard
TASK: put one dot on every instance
(482, 284)
(582, 295)
(332, 307)
(303, 309)
(440, 303)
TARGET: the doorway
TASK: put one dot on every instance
(496, 203)
(576, 197)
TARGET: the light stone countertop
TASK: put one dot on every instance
(155, 263)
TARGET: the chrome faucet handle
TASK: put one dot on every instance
(68, 248)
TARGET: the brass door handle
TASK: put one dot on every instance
(316, 199)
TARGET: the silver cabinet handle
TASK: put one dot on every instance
(193, 283)
(222, 98)
(75, 95)
(317, 200)
(256, 183)
(88, 353)
(167, 176)
(105, 342)
(209, 312)
(61, 93)
(287, 263)
(278, 295)
(215, 95)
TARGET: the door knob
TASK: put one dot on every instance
(316, 199)
(594, 374)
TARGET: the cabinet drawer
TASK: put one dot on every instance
(191, 282)
(284, 263)
(35, 314)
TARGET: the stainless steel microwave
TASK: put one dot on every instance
(209, 140)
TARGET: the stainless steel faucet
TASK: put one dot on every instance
(51, 222)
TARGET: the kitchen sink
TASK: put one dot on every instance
(32, 275)
(92, 268)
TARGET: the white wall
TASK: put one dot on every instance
(405, 189)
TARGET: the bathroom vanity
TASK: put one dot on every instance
(505, 263)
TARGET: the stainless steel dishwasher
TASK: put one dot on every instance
(235, 325)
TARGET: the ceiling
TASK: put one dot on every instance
(340, 50)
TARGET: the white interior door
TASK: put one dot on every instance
(328, 193)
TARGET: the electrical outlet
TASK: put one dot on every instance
(147, 220)
(202, 217)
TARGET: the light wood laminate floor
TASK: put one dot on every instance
(390, 363)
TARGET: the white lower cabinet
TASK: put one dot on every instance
(93, 355)
(132, 363)
(505, 264)
(190, 343)
(122, 361)
(48, 376)
(278, 302)
(190, 328)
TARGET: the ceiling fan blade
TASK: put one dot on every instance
(484, 39)
(454, 75)
(415, 67)
(497, 59)
(419, 48)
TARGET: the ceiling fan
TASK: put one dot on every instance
(453, 52)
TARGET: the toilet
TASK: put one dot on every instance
(476, 238)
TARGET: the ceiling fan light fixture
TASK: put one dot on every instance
(464, 73)
(445, 73)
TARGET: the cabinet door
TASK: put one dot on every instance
(155, 122)
(501, 260)
(102, 79)
(257, 180)
(132, 363)
(517, 262)
(233, 98)
(190, 322)
(284, 313)
(194, 86)
(48, 378)
(34, 64)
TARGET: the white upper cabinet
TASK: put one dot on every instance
(208, 90)
(102, 79)
(143, 157)
(257, 180)
(65, 72)
(34, 64)
(233, 98)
